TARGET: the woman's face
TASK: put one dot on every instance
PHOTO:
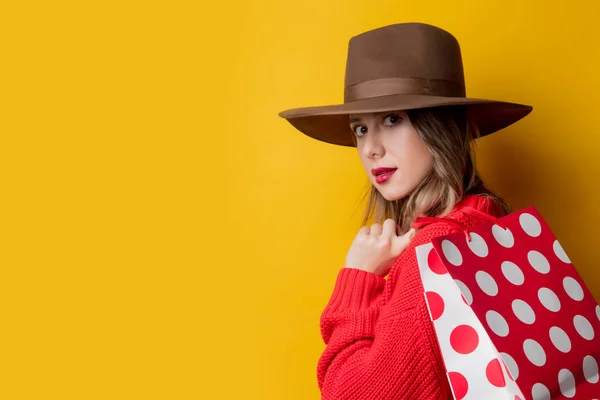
(388, 141)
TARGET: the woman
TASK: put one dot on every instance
(406, 112)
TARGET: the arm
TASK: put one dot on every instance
(381, 350)
(354, 305)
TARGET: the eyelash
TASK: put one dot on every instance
(384, 118)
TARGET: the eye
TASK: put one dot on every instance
(360, 130)
(392, 119)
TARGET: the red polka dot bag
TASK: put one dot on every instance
(513, 318)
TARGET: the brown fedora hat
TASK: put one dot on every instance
(401, 67)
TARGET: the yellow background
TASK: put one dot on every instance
(165, 235)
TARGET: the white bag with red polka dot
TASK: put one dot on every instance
(512, 316)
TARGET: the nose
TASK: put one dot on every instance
(372, 145)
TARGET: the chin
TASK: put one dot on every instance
(391, 195)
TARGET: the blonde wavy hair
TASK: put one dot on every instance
(449, 134)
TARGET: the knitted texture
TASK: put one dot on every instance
(380, 342)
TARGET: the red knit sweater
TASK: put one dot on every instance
(380, 342)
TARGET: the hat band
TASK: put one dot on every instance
(414, 86)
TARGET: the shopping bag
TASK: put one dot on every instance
(512, 316)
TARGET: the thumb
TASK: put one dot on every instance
(401, 242)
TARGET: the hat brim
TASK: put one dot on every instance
(330, 123)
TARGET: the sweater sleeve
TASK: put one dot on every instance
(356, 297)
(381, 350)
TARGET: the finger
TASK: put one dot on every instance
(364, 230)
(399, 230)
(389, 228)
(401, 242)
(376, 230)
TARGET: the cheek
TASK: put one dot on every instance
(415, 155)
(361, 156)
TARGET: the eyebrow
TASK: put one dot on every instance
(376, 115)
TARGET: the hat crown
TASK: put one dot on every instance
(406, 51)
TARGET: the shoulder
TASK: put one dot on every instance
(478, 202)
(456, 220)
(463, 211)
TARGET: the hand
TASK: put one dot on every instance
(375, 249)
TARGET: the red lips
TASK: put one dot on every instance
(379, 171)
(383, 174)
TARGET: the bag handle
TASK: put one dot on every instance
(480, 214)
(423, 221)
